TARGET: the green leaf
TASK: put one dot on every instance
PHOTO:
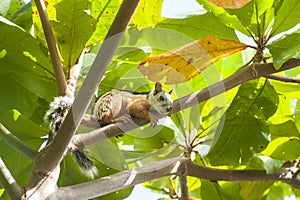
(9, 7)
(287, 16)
(224, 17)
(148, 13)
(211, 190)
(104, 11)
(24, 62)
(72, 27)
(199, 26)
(244, 130)
(23, 17)
(253, 190)
(286, 129)
(283, 148)
(249, 15)
(285, 48)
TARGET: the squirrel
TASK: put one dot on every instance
(110, 108)
(118, 105)
(55, 117)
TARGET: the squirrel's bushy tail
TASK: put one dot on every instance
(85, 163)
(54, 117)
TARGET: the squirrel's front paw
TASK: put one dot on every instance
(153, 122)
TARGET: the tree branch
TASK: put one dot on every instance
(183, 188)
(180, 166)
(50, 159)
(56, 63)
(241, 76)
(9, 183)
(123, 179)
(283, 79)
(16, 143)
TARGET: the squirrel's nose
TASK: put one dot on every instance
(168, 109)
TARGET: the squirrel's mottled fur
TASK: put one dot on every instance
(109, 108)
(116, 105)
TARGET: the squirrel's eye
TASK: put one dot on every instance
(161, 98)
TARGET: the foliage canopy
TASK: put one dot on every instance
(255, 126)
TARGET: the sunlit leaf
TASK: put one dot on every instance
(287, 16)
(104, 11)
(283, 148)
(186, 62)
(230, 3)
(148, 13)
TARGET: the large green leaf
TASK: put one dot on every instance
(24, 62)
(199, 26)
(287, 16)
(224, 17)
(244, 130)
(72, 27)
(250, 15)
(285, 48)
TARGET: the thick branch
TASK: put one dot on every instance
(180, 166)
(48, 161)
(184, 191)
(195, 98)
(9, 183)
(123, 179)
(16, 143)
(59, 74)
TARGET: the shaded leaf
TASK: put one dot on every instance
(72, 27)
(186, 62)
(285, 48)
(244, 130)
(24, 61)
(253, 190)
(283, 148)
(286, 129)
(230, 3)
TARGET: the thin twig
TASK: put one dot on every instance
(56, 62)
(283, 78)
(9, 183)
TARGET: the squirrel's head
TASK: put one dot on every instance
(160, 100)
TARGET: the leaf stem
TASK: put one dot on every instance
(16, 143)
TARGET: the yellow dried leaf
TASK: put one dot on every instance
(186, 62)
(229, 3)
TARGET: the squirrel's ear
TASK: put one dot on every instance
(158, 87)
(170, 92)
